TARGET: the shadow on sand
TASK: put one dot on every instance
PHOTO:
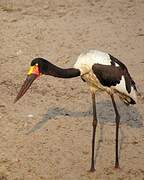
(105, 113)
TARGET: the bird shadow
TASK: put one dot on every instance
(105, 113)
(53, 113)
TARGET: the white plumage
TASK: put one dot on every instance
(90, 58)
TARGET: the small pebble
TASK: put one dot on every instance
(30, 115)
(19, 52)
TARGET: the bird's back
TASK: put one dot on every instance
(92, 57)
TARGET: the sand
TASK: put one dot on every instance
(47, 134)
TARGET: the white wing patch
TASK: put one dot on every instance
(121, 87)
(117, 65)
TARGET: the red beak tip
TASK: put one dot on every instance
(15, 100)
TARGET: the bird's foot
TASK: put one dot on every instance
(117, 166)
(92, 169)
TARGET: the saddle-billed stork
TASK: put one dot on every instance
(102, 72)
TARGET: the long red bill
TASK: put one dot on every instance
(27, 83)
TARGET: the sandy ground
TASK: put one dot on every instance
(47, 134)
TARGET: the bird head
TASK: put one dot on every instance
(36, 69)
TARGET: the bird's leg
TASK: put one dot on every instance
(94, 131)
(117, 131)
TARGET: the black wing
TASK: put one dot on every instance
(108, 75)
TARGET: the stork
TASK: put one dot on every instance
(102, 72)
